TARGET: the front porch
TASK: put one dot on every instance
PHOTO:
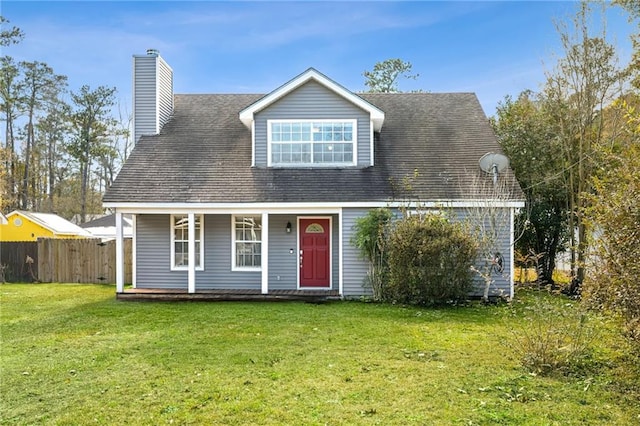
(157, 294)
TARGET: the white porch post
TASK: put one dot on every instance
(134, 219)
(512, 247)
(340, 254)
(119, 254)
(265, 253)
(192, 253)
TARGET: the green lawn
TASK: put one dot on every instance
(72, 354)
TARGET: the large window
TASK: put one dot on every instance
(180, 241)
(321, 142)
(247, 242)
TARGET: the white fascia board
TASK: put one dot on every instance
(296, 208)
(376, 114)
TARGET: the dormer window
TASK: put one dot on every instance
(308, 143)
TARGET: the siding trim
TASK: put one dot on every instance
(294, 208)
(253, 144)
(372, 160)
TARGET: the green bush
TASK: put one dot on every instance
(430, 260)
(370, 237)
(555, 339)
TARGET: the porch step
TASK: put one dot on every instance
(313, 296)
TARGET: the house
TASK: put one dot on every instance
(29, 226)
(260, 192)
(104, 227)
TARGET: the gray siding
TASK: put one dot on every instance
(283, 266)
(355, 269)
(153, 269)
(152, 94)
(312, 101)
(153, 250)
(218, 273)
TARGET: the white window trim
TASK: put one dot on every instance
(233, 244)
(423, 212)
(173, 246)
(353, 163)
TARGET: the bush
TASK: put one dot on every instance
(370, 237)
(554, 339)
(430, 261)
(612, 273)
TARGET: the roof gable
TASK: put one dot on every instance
(376, 114)
(52, 222)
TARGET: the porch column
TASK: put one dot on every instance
(265, 253)
(119, 254)
(340, 254)
(192, 253)
(512, 247)
(134, 258)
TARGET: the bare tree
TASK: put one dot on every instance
(490, 221)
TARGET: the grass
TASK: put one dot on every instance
(73, 354)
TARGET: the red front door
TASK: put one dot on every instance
(314, 253)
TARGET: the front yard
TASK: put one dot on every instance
(72, 354)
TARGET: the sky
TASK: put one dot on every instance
(494, 49)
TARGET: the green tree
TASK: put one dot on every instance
(12, 100)
(384, 76)
(525, 133)
(40, 86)
(8, 36)
(614, 214)
(52, 131)
(91, 121)
(584, 82)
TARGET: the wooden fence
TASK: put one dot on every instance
(70, 261)
(18, 261)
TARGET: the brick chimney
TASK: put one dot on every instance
(152, 93)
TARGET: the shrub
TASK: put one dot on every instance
(553, 339)
(370, 237)
(612, 280)
(430, 260)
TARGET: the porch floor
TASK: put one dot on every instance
(158, 294)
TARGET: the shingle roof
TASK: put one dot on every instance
(203, 155)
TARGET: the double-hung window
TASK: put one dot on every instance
(312, 142)
(180, 241)
(247, 242)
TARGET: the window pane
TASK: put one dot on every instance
(181, 240)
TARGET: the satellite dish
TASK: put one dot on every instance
(494, 163)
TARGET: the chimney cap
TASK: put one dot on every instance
(155, 52)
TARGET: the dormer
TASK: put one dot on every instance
(312, 122)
